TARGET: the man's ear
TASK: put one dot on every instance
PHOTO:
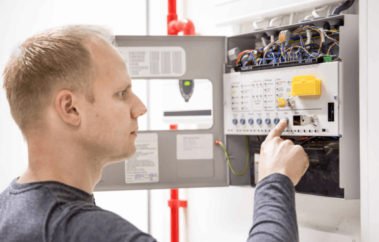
(66, 107)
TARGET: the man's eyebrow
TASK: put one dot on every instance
(126, 87)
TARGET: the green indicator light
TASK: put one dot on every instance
(187, 83)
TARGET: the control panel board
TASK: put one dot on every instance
(307, 96)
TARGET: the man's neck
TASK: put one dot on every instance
(85, 183)
(54, 162)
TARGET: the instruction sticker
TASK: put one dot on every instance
(143, 166)
(154, 61)
(194, 146)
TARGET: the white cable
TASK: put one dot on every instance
(272, 38)
(322, 35)
(272, 21)
(330, 9)
(257, 22)
(309, 37)
(308, 17)
(315, 12)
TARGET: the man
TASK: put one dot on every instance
(70, 94)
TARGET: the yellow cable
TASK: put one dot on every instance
(228, 161)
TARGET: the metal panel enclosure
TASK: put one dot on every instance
(205, 58)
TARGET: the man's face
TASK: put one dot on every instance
(110, 123)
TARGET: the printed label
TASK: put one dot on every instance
(143, 166)
(154, 61)
(194, 146)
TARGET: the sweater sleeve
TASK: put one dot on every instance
(274, 211)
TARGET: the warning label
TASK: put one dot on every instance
(154, 61)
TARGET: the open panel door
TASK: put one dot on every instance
(176, 142)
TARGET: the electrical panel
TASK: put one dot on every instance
(307, 96)
(306, 73)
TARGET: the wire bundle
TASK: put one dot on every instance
(306, 44)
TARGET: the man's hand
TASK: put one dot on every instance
(282, 156)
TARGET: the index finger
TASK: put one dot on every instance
(278, 130)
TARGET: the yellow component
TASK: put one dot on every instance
(306, 86)
(284, 36)
(281, 102)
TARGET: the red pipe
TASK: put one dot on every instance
(174, 215)
(177, 26)
(174, 27)
(174, 203)
(171, 11)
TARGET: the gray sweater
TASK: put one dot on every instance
(52, 211)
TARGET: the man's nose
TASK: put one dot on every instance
(139, 108)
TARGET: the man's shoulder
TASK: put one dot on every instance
(31, 210)
(62, 213)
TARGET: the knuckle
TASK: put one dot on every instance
(288, 142)
(299, 148)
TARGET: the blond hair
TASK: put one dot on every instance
(58, 58)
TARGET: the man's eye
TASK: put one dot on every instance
(123, 93)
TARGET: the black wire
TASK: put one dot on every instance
(308, 140)
(343, 6)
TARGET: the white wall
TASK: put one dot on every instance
(20, 19)
(369, 119)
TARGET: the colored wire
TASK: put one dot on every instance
(251, 57)
(320, 32)
(331, 47)
(228, 161)
(331, 38)
(241, 54)
(302, 48)
(273, 58)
